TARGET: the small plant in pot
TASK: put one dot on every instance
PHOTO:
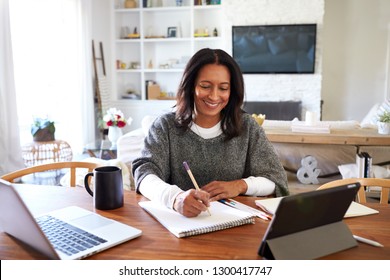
(384, 123)
(43, 129)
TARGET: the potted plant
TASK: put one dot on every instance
(384, 123)
(43, 129)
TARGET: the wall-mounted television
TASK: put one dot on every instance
(271, 49)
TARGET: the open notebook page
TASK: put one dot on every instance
(222, 217)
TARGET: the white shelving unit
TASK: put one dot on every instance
(154, 55)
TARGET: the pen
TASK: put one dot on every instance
(193, 179)
(367, 241)
(244, 207)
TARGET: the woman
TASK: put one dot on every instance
(227, 151)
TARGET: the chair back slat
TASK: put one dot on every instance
(384, 185)
(71, 165)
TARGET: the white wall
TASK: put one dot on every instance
(269, 87)
(350, 57)
(354, 58)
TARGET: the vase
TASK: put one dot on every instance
(383, 128)
(114, 133)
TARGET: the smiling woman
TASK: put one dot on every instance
(50, 65)
(228, 151)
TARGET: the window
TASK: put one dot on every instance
(49, 66)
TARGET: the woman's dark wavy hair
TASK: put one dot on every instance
(231, 115)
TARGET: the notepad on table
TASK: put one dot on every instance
(355, 209)
(222, 217)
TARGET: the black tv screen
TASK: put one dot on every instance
(261, 49)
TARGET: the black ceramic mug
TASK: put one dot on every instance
(108, 187)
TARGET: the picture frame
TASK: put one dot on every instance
(172, 32)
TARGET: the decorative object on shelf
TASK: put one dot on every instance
(150, 65)
(43, 129)
(201, 32)
(215, 2)
(172, 32)
(153, 90)
(215, 32)
(134, 65)
(124, 32)
(179, 3)
(115, 120)
(130, 4)
(384, 123)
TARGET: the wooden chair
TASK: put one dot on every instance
(364, 182)
(72, 165)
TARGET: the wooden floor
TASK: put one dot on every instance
(296, 186)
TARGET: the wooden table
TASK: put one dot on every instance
(354, 137)
(157, 243)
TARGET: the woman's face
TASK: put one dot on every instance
(212, 92)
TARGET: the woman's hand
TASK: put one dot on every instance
(191, 203)
(221, 190)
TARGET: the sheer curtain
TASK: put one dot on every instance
(52, 56)
(10, 152)
(46, 72)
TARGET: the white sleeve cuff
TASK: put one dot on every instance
(259, 186)
(156, 189)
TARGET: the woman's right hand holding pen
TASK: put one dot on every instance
(192, 202)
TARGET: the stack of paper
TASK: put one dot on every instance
(355, 209)
(314, 128)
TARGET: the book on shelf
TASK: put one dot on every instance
(222, 217)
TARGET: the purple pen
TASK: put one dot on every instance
(192, 179)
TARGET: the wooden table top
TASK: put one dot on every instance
(158, 243)
(356, 137)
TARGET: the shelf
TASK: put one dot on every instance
(135, 10)
(166, 9)
(170, 70)
(161, 49)
(167, 40)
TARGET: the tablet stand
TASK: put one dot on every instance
(309, 244)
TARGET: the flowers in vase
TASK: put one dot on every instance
(115, 117)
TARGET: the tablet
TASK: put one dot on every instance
(310, 225)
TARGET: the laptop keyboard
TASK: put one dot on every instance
(67, 238)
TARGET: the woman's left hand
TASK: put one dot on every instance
(221, 189)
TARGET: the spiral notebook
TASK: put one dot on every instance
(222, 217)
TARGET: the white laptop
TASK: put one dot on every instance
(90, 232)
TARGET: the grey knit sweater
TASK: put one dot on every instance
(250, 154)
